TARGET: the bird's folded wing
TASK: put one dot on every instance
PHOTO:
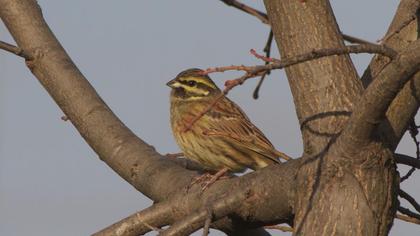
(228, 121)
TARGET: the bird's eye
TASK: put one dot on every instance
(192, 83)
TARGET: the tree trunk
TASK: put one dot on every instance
(338, 192)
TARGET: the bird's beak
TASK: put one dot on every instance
(173, 84)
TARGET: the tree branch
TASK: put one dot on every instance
(409, 213)
(407, 219)
(267, 50)
(216, 210)
(254, 71)
(137, 162)
(406, 104)
(133, 159)
(15, 50)
(377, 98)
(264, 18)
(410, 199)
(245, 8)
(407, 160)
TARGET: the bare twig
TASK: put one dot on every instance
(15, 50)
(254, 71)
(407, 160)
(413, 130)
(410, 199)
(206, 228)
(266, 58)
(409, 213)
(267, 50)
(397, 30)
(252, 11)
(280, 227)
(352, 39)
(407, 219)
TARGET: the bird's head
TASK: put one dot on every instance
(193, 84)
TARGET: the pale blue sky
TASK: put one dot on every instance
(52, 183)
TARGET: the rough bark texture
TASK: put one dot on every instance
(406, 104)
(345, 183)
(137, 162)
(338, 193)
(324, 91)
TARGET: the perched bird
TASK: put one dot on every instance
(223, 138)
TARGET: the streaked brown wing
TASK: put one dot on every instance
(228, 120)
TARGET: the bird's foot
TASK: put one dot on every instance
(219, 175)
(207, 179)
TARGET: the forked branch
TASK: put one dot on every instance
(377, 98)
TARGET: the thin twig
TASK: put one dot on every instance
(413, 130)
(409, 213)
(254, 71)
(245, 8)
(352, 39)
(229, 85)
(407, 160)
(279, 227)
(15, 50)
(267, 50)
(266, 58)
(206, 228)
(264, 19)
(407, 219)
(410, 199)
(397, 30)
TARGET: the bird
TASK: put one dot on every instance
(223, 140)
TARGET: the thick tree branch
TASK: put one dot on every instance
(406, 104)
(139, 223)
(377, 98)
(265, 205)
(216, 210)
(133, 159)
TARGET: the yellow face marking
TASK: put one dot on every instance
(199, 80)
(190, 89)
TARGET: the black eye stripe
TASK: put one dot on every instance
(193, 83)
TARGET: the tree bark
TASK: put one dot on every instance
(346, 182)
(351, 192)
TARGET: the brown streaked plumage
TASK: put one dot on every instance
(222, 138)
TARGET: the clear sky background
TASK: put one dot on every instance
(52, 183)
